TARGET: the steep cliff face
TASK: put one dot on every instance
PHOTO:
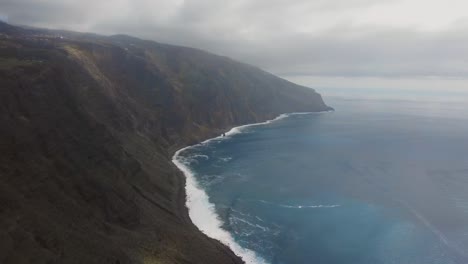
(88, 127)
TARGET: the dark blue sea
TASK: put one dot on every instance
(374, 182)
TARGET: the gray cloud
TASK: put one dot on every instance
(347, 38)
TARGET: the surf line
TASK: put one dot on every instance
(201, 211)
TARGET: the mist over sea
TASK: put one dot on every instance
(376, 181)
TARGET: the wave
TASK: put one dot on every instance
(240, 129)
(301, 206)
(194, 156)
(194, 159)
(225, 159)
(238, 219)
(310, 206)
(202, 212)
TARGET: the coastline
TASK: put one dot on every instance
(103, 175)
(201, 212)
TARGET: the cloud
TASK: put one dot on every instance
(328, 38)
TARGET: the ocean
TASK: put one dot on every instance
(374, 182)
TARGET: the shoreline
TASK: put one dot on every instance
(202, 212)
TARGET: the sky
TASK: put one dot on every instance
(330, 45)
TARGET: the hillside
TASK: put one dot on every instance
(88, 127)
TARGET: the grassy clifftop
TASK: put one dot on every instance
(88, 127)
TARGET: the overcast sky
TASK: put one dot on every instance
(320, 43)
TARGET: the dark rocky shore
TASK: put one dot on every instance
(88, 126)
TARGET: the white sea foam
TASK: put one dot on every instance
(200, 156)
(240, 129)
(204, 216)
(241, 213)
(225, 159)
(202, 212)
(311, 206)
(301, 206)
(238, 219)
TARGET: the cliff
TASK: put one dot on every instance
(88, 127)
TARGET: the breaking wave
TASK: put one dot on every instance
(202, 212)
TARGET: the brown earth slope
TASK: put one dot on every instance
(88, 125)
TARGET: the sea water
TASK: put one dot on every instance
(376, 181)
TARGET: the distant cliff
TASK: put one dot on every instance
(88, 125)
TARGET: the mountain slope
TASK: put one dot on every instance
(88, 127)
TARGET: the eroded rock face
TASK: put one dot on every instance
(88, 128)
